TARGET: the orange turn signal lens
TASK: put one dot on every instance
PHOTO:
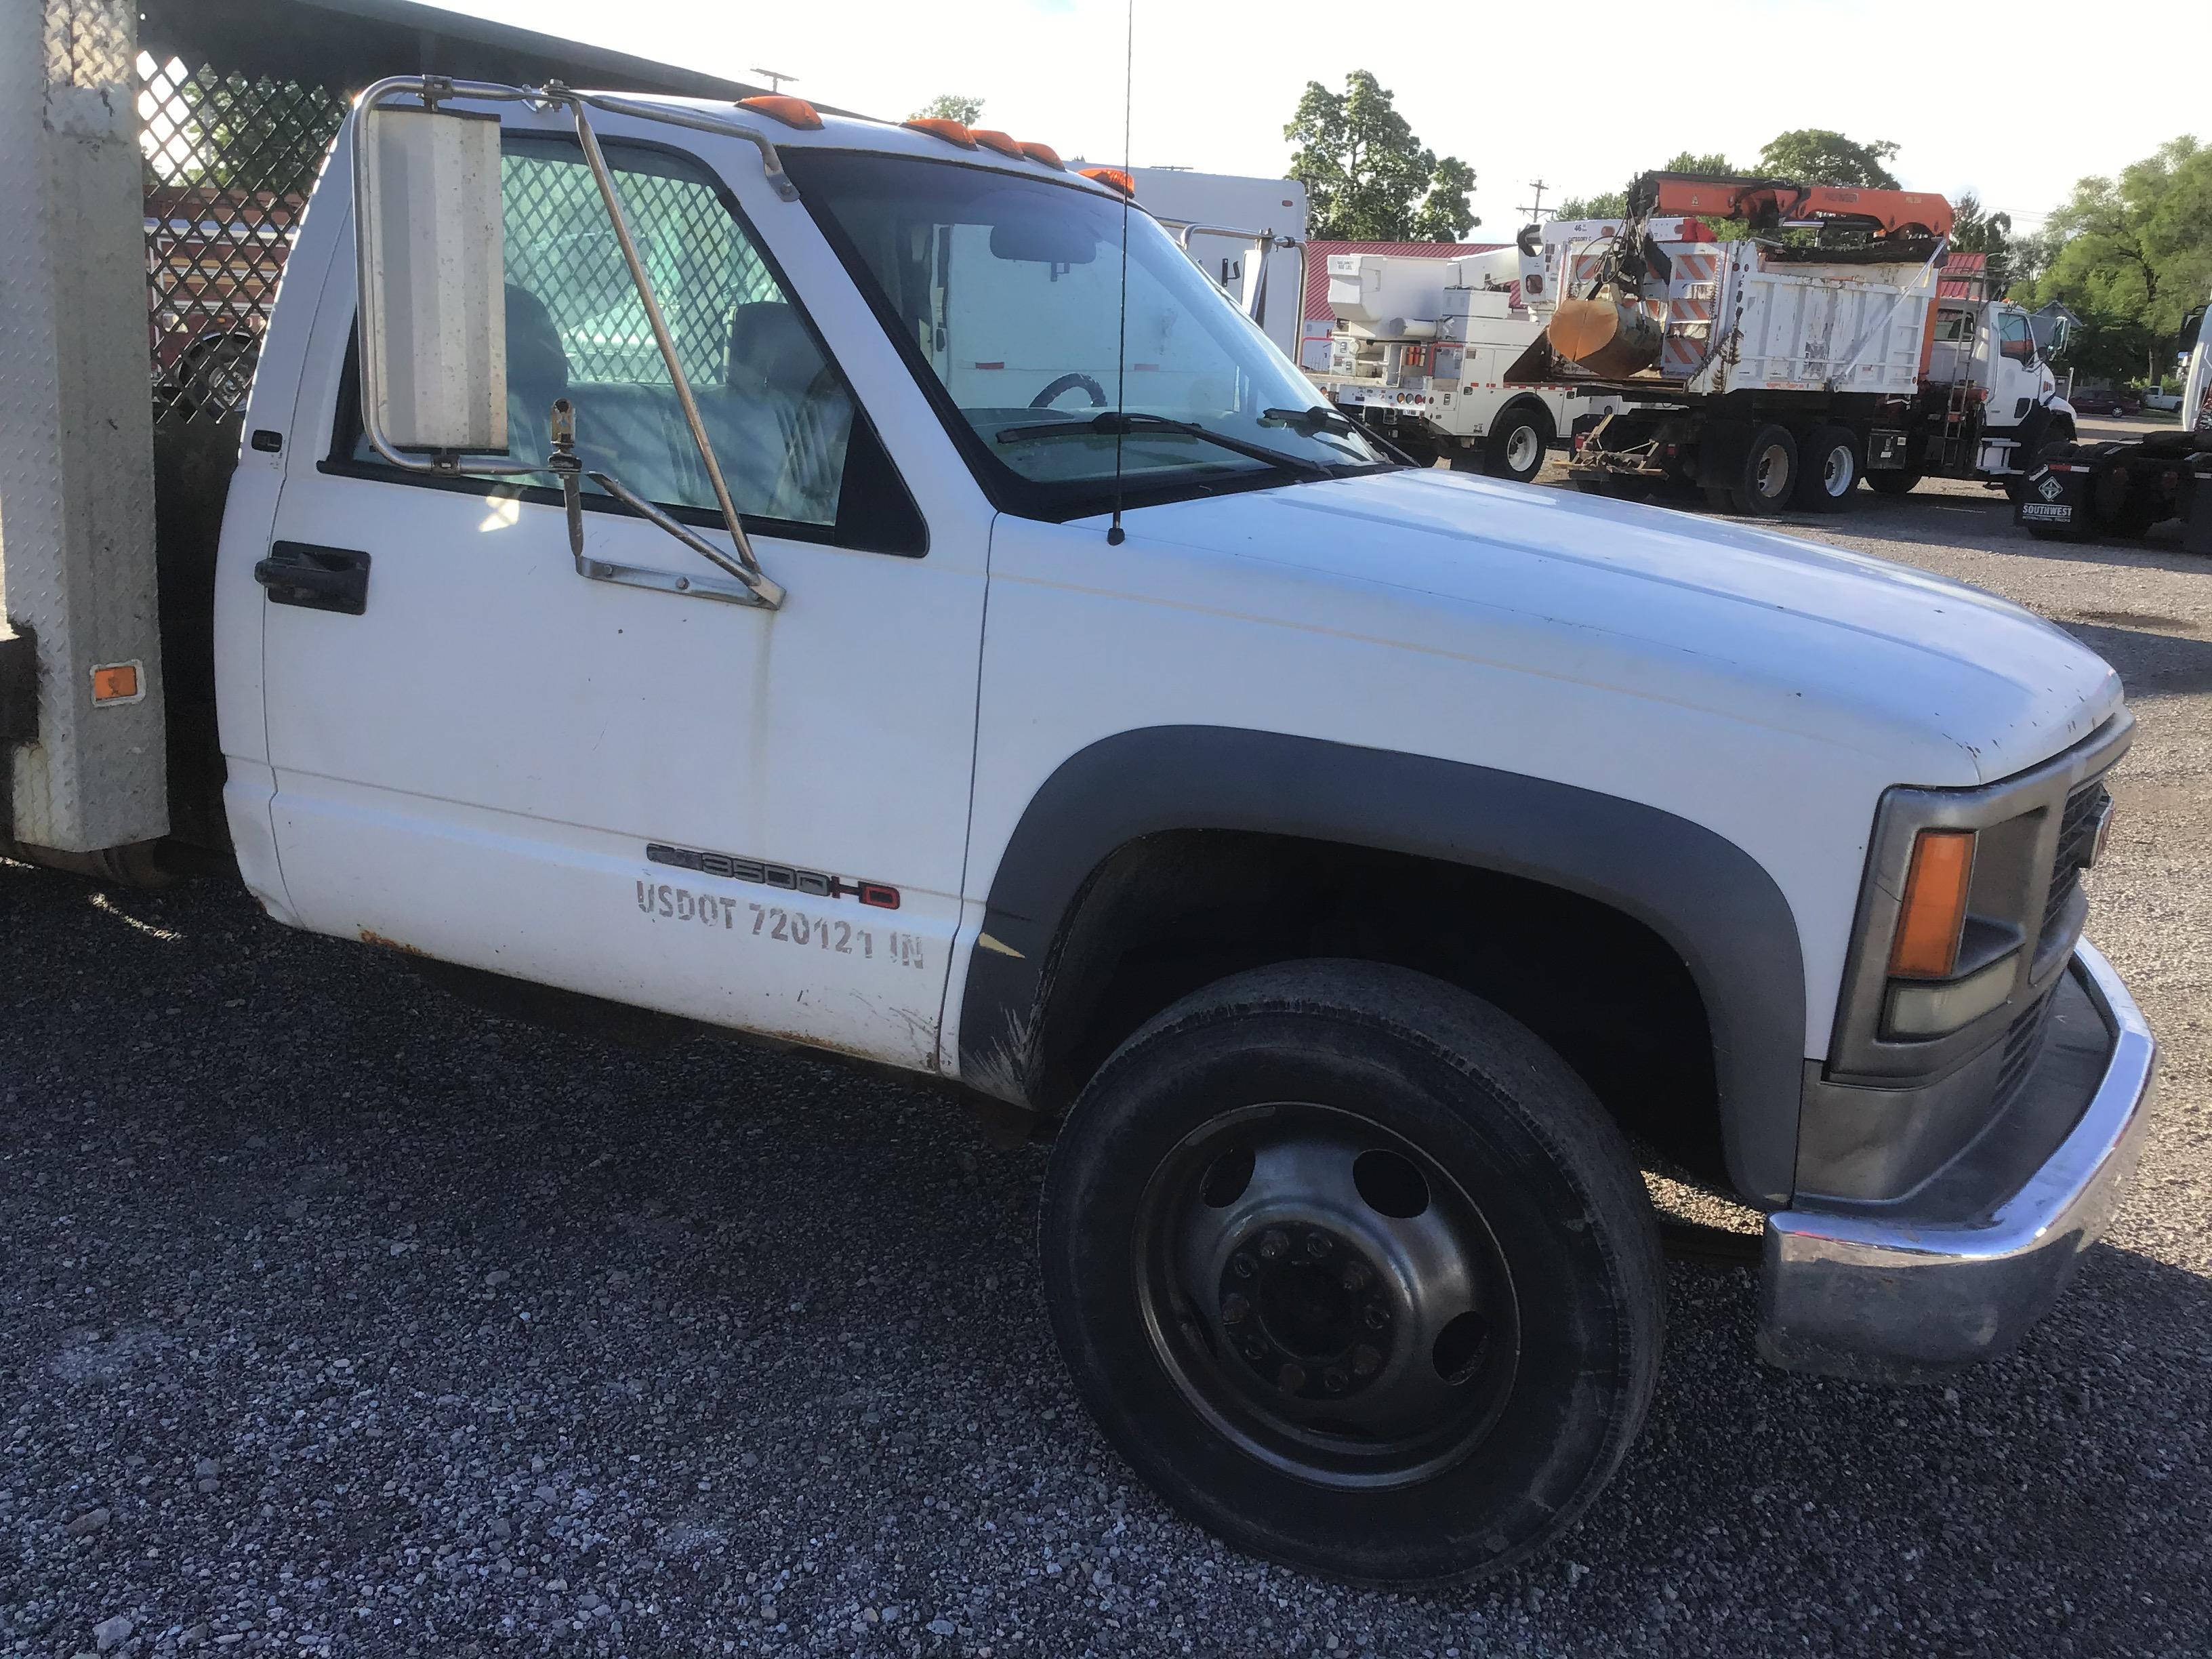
(953, 133)
(1934, 910)
(115, 683)
(791, 111)
(1113, 178)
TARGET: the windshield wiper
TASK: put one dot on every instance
(1312, 423)
(1113, 423)
(1308, 422)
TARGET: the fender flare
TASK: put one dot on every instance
(1714, 903)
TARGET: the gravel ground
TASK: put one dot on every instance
(341, 1318)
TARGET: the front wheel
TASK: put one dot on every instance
(1355, 1272)
(1516, 447)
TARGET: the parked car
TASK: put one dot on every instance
(2105, 400)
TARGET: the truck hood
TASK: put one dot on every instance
(1956, 685)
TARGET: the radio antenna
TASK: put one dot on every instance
(1115, 533)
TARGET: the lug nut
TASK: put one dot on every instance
(1366, 1362)
(1376, 1315)
(1333, 1379)
(1273, 1243)
(1242, 1267)
(1256, 1350)
(1292, 1378)
(1317, 1244)
(1354, 1277)
(1234, 1308)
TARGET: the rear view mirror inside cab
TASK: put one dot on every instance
(430, 236)
(1032, 242)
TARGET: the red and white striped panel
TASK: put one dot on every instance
(1693, 296)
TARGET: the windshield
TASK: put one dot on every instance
(1008, 291)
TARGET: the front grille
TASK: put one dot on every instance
(2023, 1039)
(2077, 834)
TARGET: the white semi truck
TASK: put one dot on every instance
(643, 580)
(2080, 491)
(1780, 369)
(1420, 352)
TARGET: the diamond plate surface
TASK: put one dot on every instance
(77, 540)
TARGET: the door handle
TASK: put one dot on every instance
(317, 578)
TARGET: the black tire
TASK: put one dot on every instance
(1829, 469)
(1767, 477)
(1900, 482)
(1487, 1155)
(1519, 441)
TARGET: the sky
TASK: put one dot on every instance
(2014, 104)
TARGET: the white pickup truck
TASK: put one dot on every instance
(1355, 869)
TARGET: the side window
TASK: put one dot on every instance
(2016, 340)
(780, 419)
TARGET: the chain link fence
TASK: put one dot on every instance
(230, 162)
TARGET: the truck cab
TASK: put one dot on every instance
(771, 575)
(1986, 350)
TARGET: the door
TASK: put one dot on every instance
(2017, 377)
(748, 816)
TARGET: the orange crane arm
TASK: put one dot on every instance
(1765, 202)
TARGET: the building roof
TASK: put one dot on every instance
(1317, 263)
(1964, 276)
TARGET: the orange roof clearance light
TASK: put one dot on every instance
(936, 126)
(791, 111)
(1046, 155)
(1933, 915)
(991, 138)
(1113, 178)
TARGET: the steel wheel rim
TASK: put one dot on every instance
(1836, 475)
(1772, 474)
(1520, 449)
(1334, 1341)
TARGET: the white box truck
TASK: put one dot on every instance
(1247, 234)
(631, 590)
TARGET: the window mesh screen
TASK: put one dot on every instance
(561, 247)
(230, 161)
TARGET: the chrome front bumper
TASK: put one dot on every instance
(1885, 1297)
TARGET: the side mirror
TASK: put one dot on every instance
(429, 234)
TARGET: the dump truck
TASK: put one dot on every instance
(1418, 353)
(676, 576)
(2080, 491)
(1779, 368)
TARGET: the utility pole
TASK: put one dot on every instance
(1535, 209)
(775, 78)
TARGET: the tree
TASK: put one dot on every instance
(951, 106)
(1974, 230)
(1614, 203)
(1444, 215)
(1367, 176)
(2132, 254)
(1815, 155)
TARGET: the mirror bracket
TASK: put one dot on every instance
(744, 586)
